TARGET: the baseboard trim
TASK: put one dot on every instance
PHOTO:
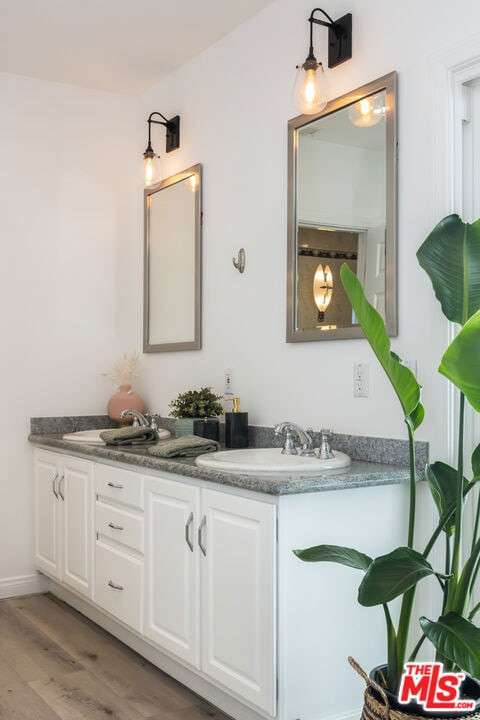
(22, 585)
(352, 715)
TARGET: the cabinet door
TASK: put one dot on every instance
(76, 495)
(238, 568)
(47, 512)
(172, 567)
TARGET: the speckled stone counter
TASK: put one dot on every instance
(361, 473)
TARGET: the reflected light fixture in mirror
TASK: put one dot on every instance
(368, 111)
(310, 90)
(172, 129)
(322, 289)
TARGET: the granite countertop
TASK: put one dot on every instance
(361, 473)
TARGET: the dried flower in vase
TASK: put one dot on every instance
(125, 370)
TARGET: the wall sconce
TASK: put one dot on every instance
(310, 89)
(172, 143)
(322, 289)
(368, 111)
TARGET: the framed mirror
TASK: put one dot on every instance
(342, 208)
(172, 263)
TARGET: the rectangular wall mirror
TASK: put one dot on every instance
(172, 263)
(342, 208)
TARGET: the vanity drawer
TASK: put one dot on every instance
(119, 584)
(120, 525)
(124, 486)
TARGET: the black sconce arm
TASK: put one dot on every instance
(339, 37)
(172, 128)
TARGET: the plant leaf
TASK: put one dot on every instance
(442, 481)
(392, 575)
(456, 638)
(335, 553)
(401, 378)
(451, 258)
(461, 361)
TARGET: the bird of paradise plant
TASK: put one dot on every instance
(451, 257)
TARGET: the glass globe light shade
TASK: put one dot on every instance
(310, 89)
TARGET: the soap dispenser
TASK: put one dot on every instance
(236, 426)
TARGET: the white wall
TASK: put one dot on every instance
(235, 101)
(67, 229)
(332, 196)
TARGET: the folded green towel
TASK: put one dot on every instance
(129, 436)
(185, 446)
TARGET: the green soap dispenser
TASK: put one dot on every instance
(236, 426)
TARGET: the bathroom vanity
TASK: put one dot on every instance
(193, 568)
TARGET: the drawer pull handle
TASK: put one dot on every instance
(115, 527)
(200, 535)
(54, 485)
(115, 485)
(61, 483)
(188, 525)
(115, 587)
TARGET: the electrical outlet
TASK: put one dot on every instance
(360, 380)
(228, 391)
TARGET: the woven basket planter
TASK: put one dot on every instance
(376, 705)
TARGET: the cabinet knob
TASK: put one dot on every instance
(61, 483)
(200, 535)
(115, 527)
(115, 485)
(115, 587)
(54, 485)
(188, 525)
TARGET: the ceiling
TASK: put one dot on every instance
(124, 46)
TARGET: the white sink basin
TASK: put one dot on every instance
(254, 461)
(92, 437)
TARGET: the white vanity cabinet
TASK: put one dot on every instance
(63, 518)
(200, 578)
(210, 590)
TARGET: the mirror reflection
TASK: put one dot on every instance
(172, 263)
(342, 209)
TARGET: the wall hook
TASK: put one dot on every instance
(239, 263)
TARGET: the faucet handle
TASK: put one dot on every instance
(289, 446)
(151, 419)
(325, 452)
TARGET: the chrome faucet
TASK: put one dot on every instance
(305, 437)
(141, 420)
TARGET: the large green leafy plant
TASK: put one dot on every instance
(451, 257)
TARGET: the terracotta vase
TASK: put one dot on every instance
(124, 399)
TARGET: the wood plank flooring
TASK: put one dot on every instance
(55, 663)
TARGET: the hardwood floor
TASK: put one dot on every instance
(55, 663)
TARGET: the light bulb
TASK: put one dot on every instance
(310, 89)
(150, 174)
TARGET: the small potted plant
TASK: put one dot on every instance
(451, 257)
(195, 405)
